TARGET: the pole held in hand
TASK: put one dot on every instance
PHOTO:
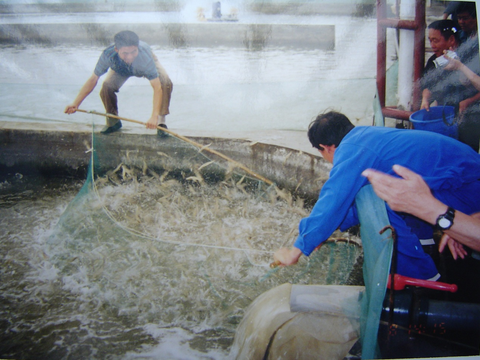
(198, 145)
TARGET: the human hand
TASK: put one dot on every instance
(152, 123)
(453, 64)
(456, 249)
(462, 106)
(405, 194)
(425, 105)
(70, 109)
(286, 257)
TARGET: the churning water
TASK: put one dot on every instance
(144, 267)
(85, 295)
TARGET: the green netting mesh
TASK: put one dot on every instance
(182, 240)
(378, 250)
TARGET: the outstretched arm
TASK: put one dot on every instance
(412, 195)
(86, 89)
(157, 98)
(455, 64)
(465, 104)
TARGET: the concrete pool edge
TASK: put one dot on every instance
(251, 36)
(58, 148)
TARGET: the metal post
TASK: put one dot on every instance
(419, 52)
(381, 51)
(418, 26)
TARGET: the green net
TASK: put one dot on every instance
(182, 240)
(378, 248)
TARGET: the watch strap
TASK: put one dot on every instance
(449, 216)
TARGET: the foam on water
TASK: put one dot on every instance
(173, 344)
(166, 279)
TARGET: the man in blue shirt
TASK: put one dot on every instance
(450, 168)
(127, 57)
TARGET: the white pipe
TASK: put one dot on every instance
(405, 57)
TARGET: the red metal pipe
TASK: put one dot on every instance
(401, 281)
(398, 24)
(418, 26)
(396, 113)
(381, 52)
(418, 53)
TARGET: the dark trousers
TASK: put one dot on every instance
(469, 128)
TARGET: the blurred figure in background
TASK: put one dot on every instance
(441, 87)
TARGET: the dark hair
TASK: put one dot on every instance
(125, 38)
(328, 129)
(447, 28)
(467, 7)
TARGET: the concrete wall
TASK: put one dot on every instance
(177, 35)
(50, 153)
(316, 7)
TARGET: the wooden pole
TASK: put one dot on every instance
(198, 145)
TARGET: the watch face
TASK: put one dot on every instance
(444, 223)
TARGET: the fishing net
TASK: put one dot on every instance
(182, 239)
(378, 249)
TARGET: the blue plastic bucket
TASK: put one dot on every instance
(440, 119)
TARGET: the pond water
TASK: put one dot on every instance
(68, 302)
(143, 266)
(215, 88)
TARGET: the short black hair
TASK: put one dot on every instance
(447, 28)
(328, 128)
(126, 38)
(467, 7)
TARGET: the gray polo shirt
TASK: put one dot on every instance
(142, 66)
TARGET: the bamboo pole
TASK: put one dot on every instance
(198, 145)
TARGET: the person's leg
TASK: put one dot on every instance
(167, 88)
(110, 87)
(374, 214)
(425, 232)
(412, 260)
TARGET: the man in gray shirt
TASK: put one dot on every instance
(127, 57)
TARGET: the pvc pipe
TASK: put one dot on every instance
(405, 58)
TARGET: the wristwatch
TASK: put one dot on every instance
(445, 221)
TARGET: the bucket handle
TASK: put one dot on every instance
(445, 121)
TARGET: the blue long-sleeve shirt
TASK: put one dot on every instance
(444, 163)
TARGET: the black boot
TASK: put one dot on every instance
(110, 129)
(162, 133)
